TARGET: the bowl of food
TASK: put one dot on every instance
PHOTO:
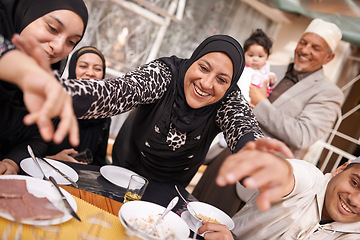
(138, 218)
(209, 213)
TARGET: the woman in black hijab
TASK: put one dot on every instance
(180, 106)
(45, 21)
(94, 133)
(16, 15)
(75, 59)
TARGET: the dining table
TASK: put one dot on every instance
(159, 192)
(104, 203)
(99, 202)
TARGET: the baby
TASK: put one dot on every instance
(257, 70)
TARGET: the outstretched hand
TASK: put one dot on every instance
(257, 166)
(44, 97)
(270, 145)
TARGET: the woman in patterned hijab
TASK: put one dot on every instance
(180, 105)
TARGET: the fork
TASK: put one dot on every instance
(197, 225)
(187, 204)
(36, 162)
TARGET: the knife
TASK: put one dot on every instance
(61, 173)
(66, 203)
(36, 162)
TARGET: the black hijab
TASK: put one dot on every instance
(15, 15)
(184, 117)
(78, 53)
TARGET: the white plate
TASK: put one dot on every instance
(41, 188)
(141, 211)
(186, 216)
(31, 168)
(117, 175)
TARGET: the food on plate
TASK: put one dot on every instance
(41, 208)
(145, 225)
(208, 219)
(12, 187)
(22, 205)
(16, 208)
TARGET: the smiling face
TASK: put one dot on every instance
(311, 53)
(342, 198)
(89, 66)
(255, 56)
(58, 32)
(207, 79)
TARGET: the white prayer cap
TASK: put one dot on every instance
(356, 160)
(328, 31)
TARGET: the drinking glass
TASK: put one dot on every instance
(136, 188)
(84, 156)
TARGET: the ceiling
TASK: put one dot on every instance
(344, 13)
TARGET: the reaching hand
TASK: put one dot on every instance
(257, 167)
(44, 97)
(270, 145)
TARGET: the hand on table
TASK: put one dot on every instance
(8, 167)
(217, 231)
(44, 97)
(64, 155)
(257, 167)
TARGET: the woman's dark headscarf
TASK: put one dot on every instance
(78, 53)
(184, 117)
(15, 15)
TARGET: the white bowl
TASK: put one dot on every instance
(139, 216)
(209, 212)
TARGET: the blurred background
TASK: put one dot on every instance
(131, 33)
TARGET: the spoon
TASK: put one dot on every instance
(169, 207)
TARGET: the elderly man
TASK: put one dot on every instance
(304, 104)
(296, 200)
